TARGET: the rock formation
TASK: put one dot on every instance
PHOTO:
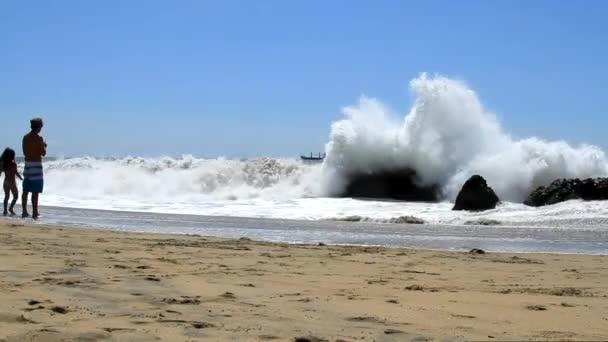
(561, 190)
(476, 195)
(396, 184)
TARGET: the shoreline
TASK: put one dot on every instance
(582, 240)
(299, 243)
(78, 283)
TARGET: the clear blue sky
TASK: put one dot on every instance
(247, 78)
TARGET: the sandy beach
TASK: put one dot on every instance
(66, 283)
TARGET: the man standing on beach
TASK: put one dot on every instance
(34, 149)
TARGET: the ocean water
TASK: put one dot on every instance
(427, 236)
(445, 137)
(279, 200)
(265, 188)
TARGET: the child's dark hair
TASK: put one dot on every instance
(7, 158)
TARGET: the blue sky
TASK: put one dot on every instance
(249, 78)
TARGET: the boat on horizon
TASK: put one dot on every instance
(314, 158)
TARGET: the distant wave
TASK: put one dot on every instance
(446, 137)
(185, 179)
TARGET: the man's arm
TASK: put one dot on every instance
(23, 145)
(42, 147)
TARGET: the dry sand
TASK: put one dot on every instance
(62, 283)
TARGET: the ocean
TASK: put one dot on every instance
(446, 137)
(282, 200)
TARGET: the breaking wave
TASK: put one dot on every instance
(445, 138)
(185, 179)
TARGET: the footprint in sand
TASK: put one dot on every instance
(152, 277)
(310, 339)
(536, 307)
(183, 300)
(60, 309)
(392, 331)
(228, 295)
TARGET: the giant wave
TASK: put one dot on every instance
(445, 138)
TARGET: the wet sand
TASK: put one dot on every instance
(65, 283)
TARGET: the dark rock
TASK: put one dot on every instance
(476, 195)
(354, 218)
(396, 184)
(561, 190)
(406, 219)
(477, 251)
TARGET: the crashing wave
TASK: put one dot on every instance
(445, 138)
(182, 179)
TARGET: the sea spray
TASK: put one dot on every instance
(446, 137)
(181, 179)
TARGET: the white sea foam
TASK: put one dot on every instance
(263, 188)
(447, 137)
(184, 179)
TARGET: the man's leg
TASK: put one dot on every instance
(35, 213)
(24, 204)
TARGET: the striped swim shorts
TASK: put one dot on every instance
(33, 180)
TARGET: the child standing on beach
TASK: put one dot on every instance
(8, 165)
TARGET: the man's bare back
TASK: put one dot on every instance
(34, 147)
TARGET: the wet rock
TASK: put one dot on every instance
(560, 190)
(354, 218)
(395, 184)
(406, 220)
(476, 195)
(477, 251)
